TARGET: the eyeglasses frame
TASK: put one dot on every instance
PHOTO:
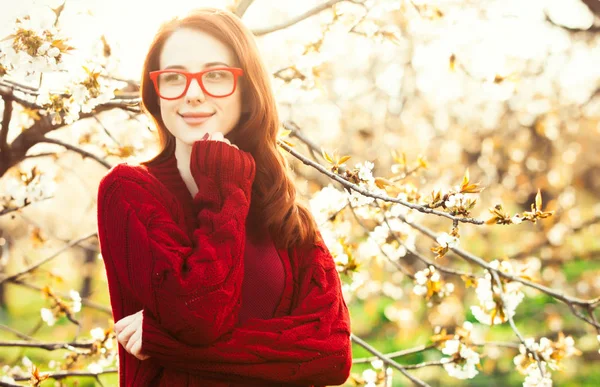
(237, 72)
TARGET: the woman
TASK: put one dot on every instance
(217, 277)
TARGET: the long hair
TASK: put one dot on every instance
(273, 201)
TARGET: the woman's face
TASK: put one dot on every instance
(193, 51)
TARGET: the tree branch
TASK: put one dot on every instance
(572, 302)
(242, 7)
(297, 19)
(511, 321)
(48, 259)
(365, 192)
(84, 301)
(68, 374)
(6, 116)
(74, 148)
(27, 203)
(387, 360)
(47, 346)
(28, 138)
(593, 5)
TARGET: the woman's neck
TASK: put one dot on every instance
(183, 153)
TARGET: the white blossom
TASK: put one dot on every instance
(377, 364)
(95, 368)
(465, 367)
(534, 377)
(447, 240)
(76, 300)
(369, 375)
(26, 362)
(326, 202)
(429, 275)
(7, 379)
(456, 200)
(17, 190)
(48, 316)
(365, 171)
(486, 295)
(357, 199)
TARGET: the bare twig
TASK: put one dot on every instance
(74, 148)
(7, 384)
(108, 133)
(6, 116)
(404, 352)
(16, 332)
(297, 19)
(387, 360)
(242, 7)
(27, 203)
(47, 346)
(30, 269)
(68, 374)
(593, 5)
(84, 301)
(43, 154)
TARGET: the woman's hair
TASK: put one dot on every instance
(273, 202)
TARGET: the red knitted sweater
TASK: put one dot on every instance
(211, 317)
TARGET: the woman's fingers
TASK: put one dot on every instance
(126, 334)
(135, 322)
(137, 335)
(122, 323)
(136, 345)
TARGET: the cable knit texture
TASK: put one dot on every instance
(220, 309)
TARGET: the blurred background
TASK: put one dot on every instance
(423, 89)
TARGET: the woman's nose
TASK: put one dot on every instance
(194, 93)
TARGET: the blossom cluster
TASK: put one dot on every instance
(551, 353)
(27, 189)
(49, 315)
(463, 361)
(430, 285)
(494, 307)
(34, 47)
(83, 93)
(378, 375)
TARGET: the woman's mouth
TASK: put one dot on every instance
(195, 119)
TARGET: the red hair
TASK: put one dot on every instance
(273, 203)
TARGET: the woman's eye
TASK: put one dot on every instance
(216, 75)
(173, 77)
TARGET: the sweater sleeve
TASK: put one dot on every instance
(310, 346)
(191, 285)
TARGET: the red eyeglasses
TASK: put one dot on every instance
(217, 82)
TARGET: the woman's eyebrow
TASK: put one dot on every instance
(209, 64)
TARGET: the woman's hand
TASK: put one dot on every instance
(184, 165)
(129, 334)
